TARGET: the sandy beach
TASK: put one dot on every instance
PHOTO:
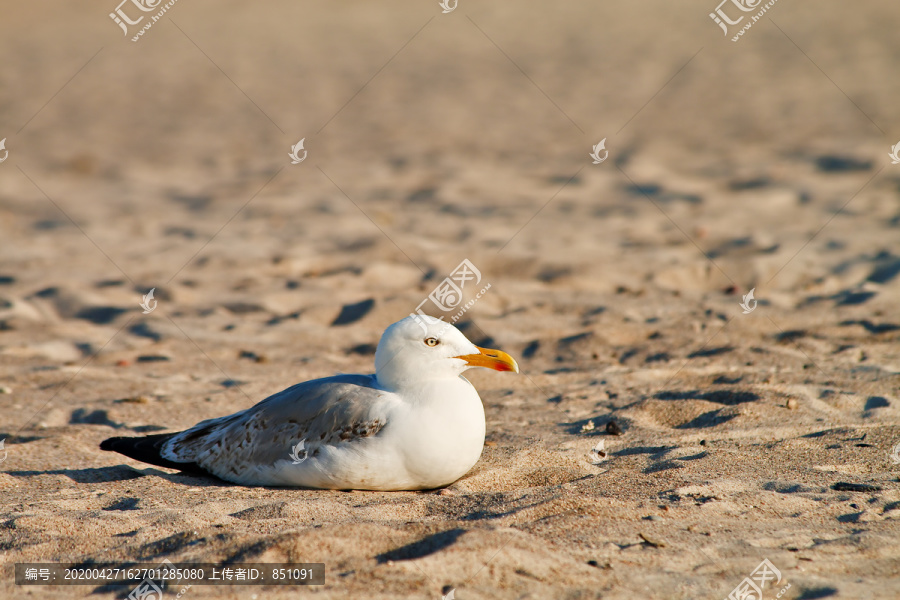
(736, 429)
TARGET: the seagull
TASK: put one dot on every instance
(415, 424)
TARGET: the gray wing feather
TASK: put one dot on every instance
(325, 411)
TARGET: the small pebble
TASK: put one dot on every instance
(652, 541)
(135, 400)
(122, 363)
(791, 404)
(5, 389)
(260, 358)
(612, 428)
(589, 426)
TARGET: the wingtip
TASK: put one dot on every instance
(109, 444)
(147, 449)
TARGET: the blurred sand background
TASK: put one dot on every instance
(433, 138)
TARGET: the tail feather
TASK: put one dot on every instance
(147, 449)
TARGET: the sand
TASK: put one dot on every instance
(432, 138)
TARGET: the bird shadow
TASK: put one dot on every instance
(124, 473)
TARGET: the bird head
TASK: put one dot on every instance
(419, 348)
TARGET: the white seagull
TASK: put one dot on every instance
(415, 424)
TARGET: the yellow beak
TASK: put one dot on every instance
(492, 359)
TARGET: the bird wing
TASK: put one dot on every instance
(325, 411)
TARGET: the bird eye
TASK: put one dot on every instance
(430, 341)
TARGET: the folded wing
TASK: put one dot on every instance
(322, 412)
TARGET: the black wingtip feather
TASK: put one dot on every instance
(147, 449)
